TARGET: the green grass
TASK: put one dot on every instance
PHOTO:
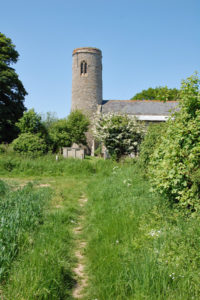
(44, 270)
(16, 165)
(138, 247)
(42, 266)
(21, 212)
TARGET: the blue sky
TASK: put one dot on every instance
(145, 43)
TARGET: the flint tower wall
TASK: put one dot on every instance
(86, 80)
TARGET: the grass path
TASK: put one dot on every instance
(124, 243)
(79, 270)
(44, 268)
(138, 246)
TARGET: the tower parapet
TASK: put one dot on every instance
(86, 80)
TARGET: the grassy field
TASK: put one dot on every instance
(137, 246)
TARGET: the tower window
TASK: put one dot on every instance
(83, 68)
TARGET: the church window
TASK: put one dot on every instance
(83, 68)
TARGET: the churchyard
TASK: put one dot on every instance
(136, 246)
(122, 228)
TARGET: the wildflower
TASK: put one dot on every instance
(172, 276)
(116, 167)
(155, 232)
(117, 242)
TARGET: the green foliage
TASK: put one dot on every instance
(78, 125)
(31, 122)
(2, 148)
(53, 133)
(20, 212)
(31, 144)
(151, 139)
(49, 119)
(6, 148)
(158, 93)
(138, 247)
(176, 160)
(65, 132)
(59, 134)
(98, 151)
(120, 134)
(12, 92)
(3, 188)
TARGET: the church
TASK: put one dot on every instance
(87, 91)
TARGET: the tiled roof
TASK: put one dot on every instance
(139, 107)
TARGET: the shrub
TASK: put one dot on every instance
(59, 134)
(31, 122)
(152, 137)
(65, 132)
(28, 143)
(2, 148)
(176, 160)
(78, 125)
(121, 135)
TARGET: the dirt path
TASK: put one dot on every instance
(79, 253)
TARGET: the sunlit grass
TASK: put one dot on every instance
(44, 269)
(139, 248)
(21, 212)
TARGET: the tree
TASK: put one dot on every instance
(158, 93)
(12, 91)
(120, 134)
(65, 132)
(49, 119)
(31, 122)
(59, 134)
(78, 125)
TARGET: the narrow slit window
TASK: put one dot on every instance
(83, 67)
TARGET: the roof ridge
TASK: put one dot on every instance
(176, 101)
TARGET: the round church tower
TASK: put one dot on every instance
(86, 79)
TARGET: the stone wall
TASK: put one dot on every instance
(73, 153)
(87, 88)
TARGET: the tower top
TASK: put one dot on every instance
(87, 50)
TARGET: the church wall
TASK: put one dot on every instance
(87, 87)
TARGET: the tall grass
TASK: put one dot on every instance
(44, 269)
(20, 213)
(15, 165)
(138, 247)
(47, 165)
